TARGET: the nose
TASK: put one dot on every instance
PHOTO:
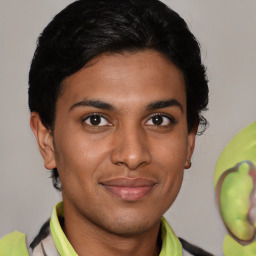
(131, 148)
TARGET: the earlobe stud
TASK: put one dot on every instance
(188, 164)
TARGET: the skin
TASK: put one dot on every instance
(144, 144)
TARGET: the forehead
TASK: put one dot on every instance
(142, 76)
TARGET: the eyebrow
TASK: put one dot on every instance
(92, 103)
(104, 105)
(164, 104)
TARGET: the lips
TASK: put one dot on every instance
(129, 189)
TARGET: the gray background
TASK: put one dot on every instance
(226, 30)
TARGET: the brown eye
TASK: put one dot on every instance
(96, 120)
(160, 120)
(157, 120)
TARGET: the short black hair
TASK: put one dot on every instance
(88, 28)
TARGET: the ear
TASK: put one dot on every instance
(191, 146)
(44, 140)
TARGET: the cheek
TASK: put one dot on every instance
(76, 164)
(80, 155)
(169, 158)
(171, 151)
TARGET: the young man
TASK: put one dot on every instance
(116, 89)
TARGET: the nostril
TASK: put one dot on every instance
(131, 150)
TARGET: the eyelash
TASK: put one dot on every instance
(170, 118)
(98, 115)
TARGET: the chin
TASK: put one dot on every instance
(129, 225)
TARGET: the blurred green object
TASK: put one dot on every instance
(235, 185)
(242, 147)
(235, 203)
(233, 248)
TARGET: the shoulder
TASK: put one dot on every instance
(13, 244)
(170, 241)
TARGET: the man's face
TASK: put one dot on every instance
(121, 141)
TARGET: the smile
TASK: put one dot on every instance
(128, 189)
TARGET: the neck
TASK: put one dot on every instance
(90, 239)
